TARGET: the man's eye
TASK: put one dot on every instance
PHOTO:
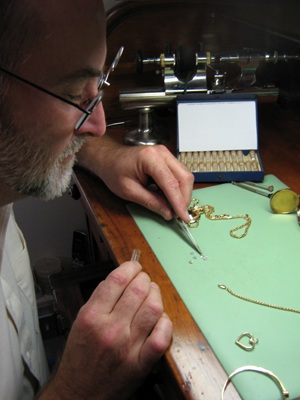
(87, 102)
(74, 98)
(78, 99)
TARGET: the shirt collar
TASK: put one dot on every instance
(5, 212)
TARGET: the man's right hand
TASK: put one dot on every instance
(118, 336)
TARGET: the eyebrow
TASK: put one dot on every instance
(80, 75)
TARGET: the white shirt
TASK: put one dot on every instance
(23, 365)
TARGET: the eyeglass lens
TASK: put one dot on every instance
(96, 100)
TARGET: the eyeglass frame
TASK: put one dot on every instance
(93, 103)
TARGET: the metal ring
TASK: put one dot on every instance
(261, 370)
(252, 341)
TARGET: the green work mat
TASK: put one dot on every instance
(264, 265)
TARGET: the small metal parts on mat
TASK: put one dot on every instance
(252, 341)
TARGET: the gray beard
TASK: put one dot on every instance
(31, 170)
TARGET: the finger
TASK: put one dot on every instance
(161, 203)
(177, 185)
(157, 342)
(109, 291)
(177, 188)
(185, 179)
(151, 200)
(173, 178)
(148, 315)
(133, 298)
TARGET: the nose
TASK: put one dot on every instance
(95, 125)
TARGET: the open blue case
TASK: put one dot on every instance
(217, 137)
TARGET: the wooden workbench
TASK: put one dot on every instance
(190, 367)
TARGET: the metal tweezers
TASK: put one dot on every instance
(184, 227)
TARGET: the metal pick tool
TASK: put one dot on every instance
(269, 188)
(190, 236)
(283, 201)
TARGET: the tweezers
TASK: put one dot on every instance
(190, 236)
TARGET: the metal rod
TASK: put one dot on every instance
(269, 188)
(252, 189)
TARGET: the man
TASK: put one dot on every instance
(122, 331)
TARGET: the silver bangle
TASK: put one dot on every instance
(261, 370)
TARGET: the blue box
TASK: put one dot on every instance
(217, 137)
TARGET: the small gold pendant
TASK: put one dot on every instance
(252, 341)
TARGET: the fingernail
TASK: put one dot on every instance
(154, 285)
(137, 264)
(165, 213)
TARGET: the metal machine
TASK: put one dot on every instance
(187, 72)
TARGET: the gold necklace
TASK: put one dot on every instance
(196, 212)
(261, 303)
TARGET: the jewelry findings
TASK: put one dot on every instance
(261, 370)
(196, 211)
(252, 341)
(261, 303)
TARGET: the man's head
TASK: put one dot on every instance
(62, 49)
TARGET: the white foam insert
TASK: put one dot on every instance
(217, 125)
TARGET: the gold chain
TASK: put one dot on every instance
(261, 303)
(196, 212)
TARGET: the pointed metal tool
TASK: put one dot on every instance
(283, 201)
(191, 237)
(269, 188)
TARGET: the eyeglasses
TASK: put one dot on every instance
(93, 102)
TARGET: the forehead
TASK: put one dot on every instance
(71, 42)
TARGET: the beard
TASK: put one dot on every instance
(30, 169)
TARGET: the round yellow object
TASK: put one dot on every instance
(284, 201)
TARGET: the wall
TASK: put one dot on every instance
(109, 3)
